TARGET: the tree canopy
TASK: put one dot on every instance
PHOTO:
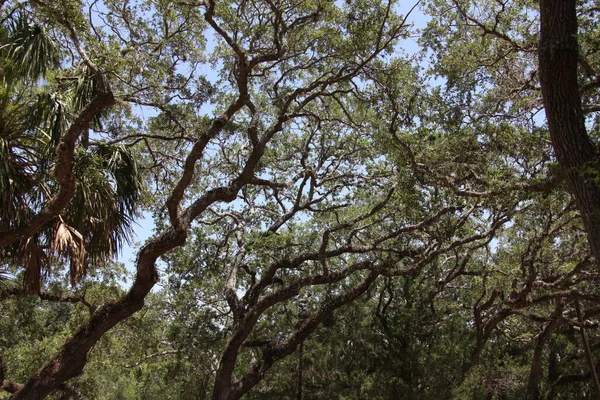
(334, 216)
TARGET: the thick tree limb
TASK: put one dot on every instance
(48, 297)
(588, 351)
(63, 172)
(72, 356)
(558, 58)
(535, 372)
(277, 352)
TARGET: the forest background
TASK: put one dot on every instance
(334, 216)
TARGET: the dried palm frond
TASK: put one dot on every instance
(68, 240)
(33, 258)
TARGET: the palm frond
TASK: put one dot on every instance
(105, 203)
(120, 162)
(51, 115)
(16, 181)
(89, 85)
(33, 259)
(26, 54)
(32, 51)
(99, 220)
(68, 240)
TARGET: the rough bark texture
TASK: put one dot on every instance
(558, 57)
(536, 369)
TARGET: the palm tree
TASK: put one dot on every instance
(33, 116)
(26, 54)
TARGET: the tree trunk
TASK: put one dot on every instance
(558, 57)
(587, 349)
(553, 372)
(535, 372)
(300, 371)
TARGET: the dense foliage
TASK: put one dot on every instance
(335, 217)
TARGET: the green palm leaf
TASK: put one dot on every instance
(32, 51)
(27, 53)
(109, 186)
(99, 219)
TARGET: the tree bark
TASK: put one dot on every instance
(72, 357)
(300, 371)
(535, 372)
(576, 154)
(587, 349)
